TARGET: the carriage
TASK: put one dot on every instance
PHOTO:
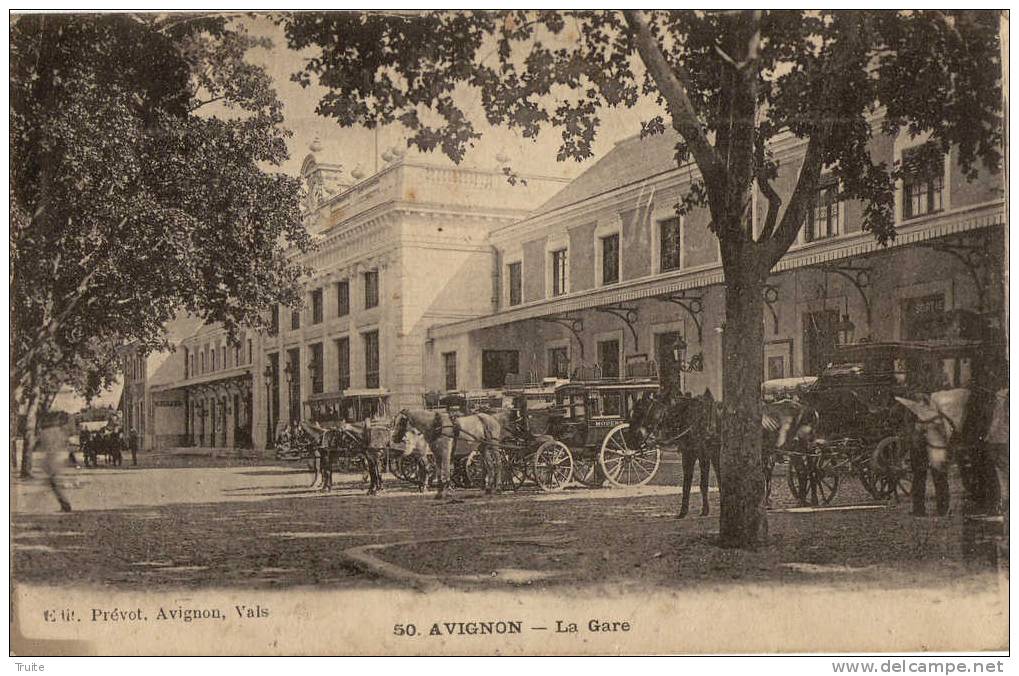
(591, 417)
(528, 453)
(861, 431)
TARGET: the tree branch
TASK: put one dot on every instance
(199, 104)
(673, 83)
(774, 205)
(806, 186)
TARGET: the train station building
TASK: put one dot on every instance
(606, 276)
(431, 278)
(396, 252)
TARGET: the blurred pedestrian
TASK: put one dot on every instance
(132, 442)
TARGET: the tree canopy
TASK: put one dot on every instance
(139, 188)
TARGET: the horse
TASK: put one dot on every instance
(965, 425)
(486, 430)
(417, 446)
(437, 429)
(443, 434)
(691, 421)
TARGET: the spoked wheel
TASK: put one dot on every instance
(587, 471)
(625, 465)
(516, 469)
(891, 469)
(553, 466)
(406, 468)
(813, 478)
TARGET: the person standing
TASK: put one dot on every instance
(132, 442)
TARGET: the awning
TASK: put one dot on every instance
(663, 285)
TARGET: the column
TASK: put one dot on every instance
(230, 414)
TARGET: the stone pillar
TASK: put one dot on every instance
(231, 420)
(210, 419)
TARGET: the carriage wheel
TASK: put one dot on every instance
(891, 468)
(553, 466)
(626, 466)
(516, 469)
(813, 479)
(406, 468)
(587, 472)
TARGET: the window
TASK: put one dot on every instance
(213, 367)
(371, 289)
(449, 367)
(222, 357)
(315, 366)
(558, 362)
(274, 321)
(192, 369)
(342, 298)
(251, 354)
(776, 368)
(495, 364)
(610, 259)
(316, 306)
(515, 288)
(185, 363)
(669, 244)
(608, 358)
(559, 272)
(343, 361)
(924, 183)
(823, 218)
(295, 320)
(371, 359)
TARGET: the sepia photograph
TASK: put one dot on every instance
(510, 332)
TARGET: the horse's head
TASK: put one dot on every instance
(399, 427)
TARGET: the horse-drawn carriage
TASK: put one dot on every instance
(860, 430)
(592, 417)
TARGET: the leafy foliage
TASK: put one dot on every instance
(138, 189)
(747, 77)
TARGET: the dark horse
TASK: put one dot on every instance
(693, 424)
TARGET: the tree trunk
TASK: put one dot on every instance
(743, 521)
(31, 430)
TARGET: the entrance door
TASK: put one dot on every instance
(495, 364)
(608, 358)
(819, 340)
(667, 347)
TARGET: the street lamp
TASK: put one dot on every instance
(288, 371)
(270, 441)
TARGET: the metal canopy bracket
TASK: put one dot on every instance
(574, 325)
(770, 294)
(858, 276)
(694, 306)
(971, 251)
(629, 317)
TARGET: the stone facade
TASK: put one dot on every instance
(949, 257)
(397, 252)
